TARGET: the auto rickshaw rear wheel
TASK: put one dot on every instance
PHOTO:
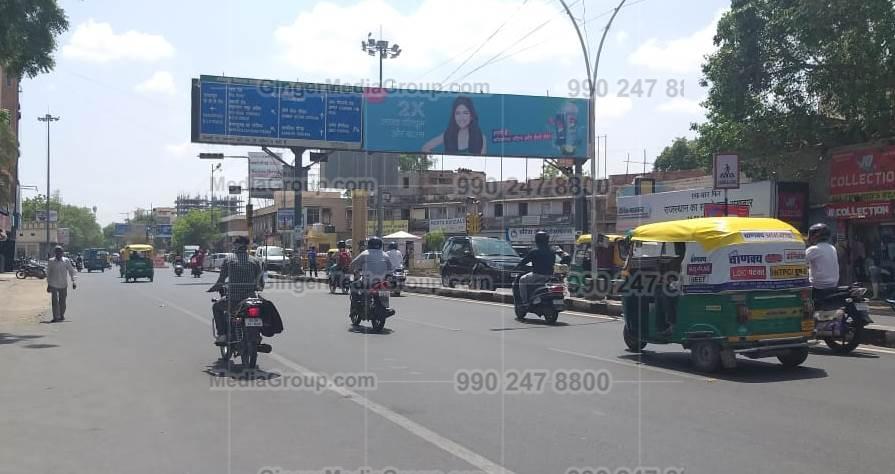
(706, 356)
(793, 357)
(632, 341)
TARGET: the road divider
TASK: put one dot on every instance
(874, 334)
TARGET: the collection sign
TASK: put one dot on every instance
(868, 174)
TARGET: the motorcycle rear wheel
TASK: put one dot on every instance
(551, 316)
(355, 317)
(378, 324)
(842, 345)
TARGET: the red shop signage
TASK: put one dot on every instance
(790, 205)
(860, 210)
(861, 171)
(717, 210)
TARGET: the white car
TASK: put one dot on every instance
(274, 258)
(215, 261)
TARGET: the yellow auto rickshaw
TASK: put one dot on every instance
(610, 260)
(137, 262)
(721, 287)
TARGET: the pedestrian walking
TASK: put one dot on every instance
(59, 270)
(312, 261)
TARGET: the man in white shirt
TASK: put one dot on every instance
(823, 261)
(395, 256)
(59, 270)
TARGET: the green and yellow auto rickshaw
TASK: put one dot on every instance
(137, 262)
(610, 260)
(720, 287)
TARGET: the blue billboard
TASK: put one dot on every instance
(121, 230)
(164, 230)
(236, 111)
(402, 121)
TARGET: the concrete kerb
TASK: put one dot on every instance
(874, 334)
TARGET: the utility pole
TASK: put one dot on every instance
(48, 119)
(381, 48)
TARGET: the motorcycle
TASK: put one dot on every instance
(338, 279)
(840, 318)
(244, 334)
(545, 301)
(196, 271)
(371, 305)
(178, 269)
(79, 266)
(32, 269)
(396, 281)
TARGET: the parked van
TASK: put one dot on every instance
(274, 258)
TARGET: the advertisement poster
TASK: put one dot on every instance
(774, 262)
(388, 227)
(868, 174)
(285, 219)
(456, 225)
(791, 207)
(265, 175)
(718, 210)
(475, 124)
(121, 230)
(634, 211)
(872, 210)
(526, 235)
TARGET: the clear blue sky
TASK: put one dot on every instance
(121, 84)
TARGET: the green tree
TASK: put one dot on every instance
(408, 162)
(793, 78)
(434, 240)
(109, 239)
(195, 228)
(549, 171)
(81, 222)
(28, 31)
(682, 154)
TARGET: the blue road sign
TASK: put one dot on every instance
(239, 111)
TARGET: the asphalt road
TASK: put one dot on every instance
(130, 383)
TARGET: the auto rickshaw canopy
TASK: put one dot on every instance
(586, 238)
(716, 232)
(141, 248)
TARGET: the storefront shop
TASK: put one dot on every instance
(862, 190)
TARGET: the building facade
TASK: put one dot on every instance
(9, 180)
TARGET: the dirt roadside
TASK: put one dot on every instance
(22, 302)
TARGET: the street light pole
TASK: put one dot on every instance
(382, 48)
(48, 119)
(592, 78)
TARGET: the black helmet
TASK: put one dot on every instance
(393, 245)
(374, 243)
(341, 244)
(542, 239)
(819, 233)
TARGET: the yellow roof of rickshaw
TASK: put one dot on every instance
(139, 248)
(715, 232)
(586, 238)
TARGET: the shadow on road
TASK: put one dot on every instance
(746, 371)
(233, 370)
(203, 283)
(7, 338)
(40, 346)
(369, 330)
(541, 324)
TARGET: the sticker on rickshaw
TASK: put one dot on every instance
(786, 272)
(768, 235)
(795, 255)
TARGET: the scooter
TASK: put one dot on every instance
(32, 270)
(545, 301)
(178, 269)
(840, 318)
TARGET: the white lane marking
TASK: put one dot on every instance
(491, 303)
(445, 444)
(637, 365)
(877, 349)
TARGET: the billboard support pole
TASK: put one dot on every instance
(299, 175)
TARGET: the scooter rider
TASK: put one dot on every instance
(244, 275)
(373, 265)
(823, 262)
(395, 256)
(542, 259)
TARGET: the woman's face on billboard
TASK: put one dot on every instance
(462, 116)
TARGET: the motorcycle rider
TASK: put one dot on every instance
(244, 275)
(395, 255)
(542, 259)
(373, 265)
(823, 262)
(79, 261)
